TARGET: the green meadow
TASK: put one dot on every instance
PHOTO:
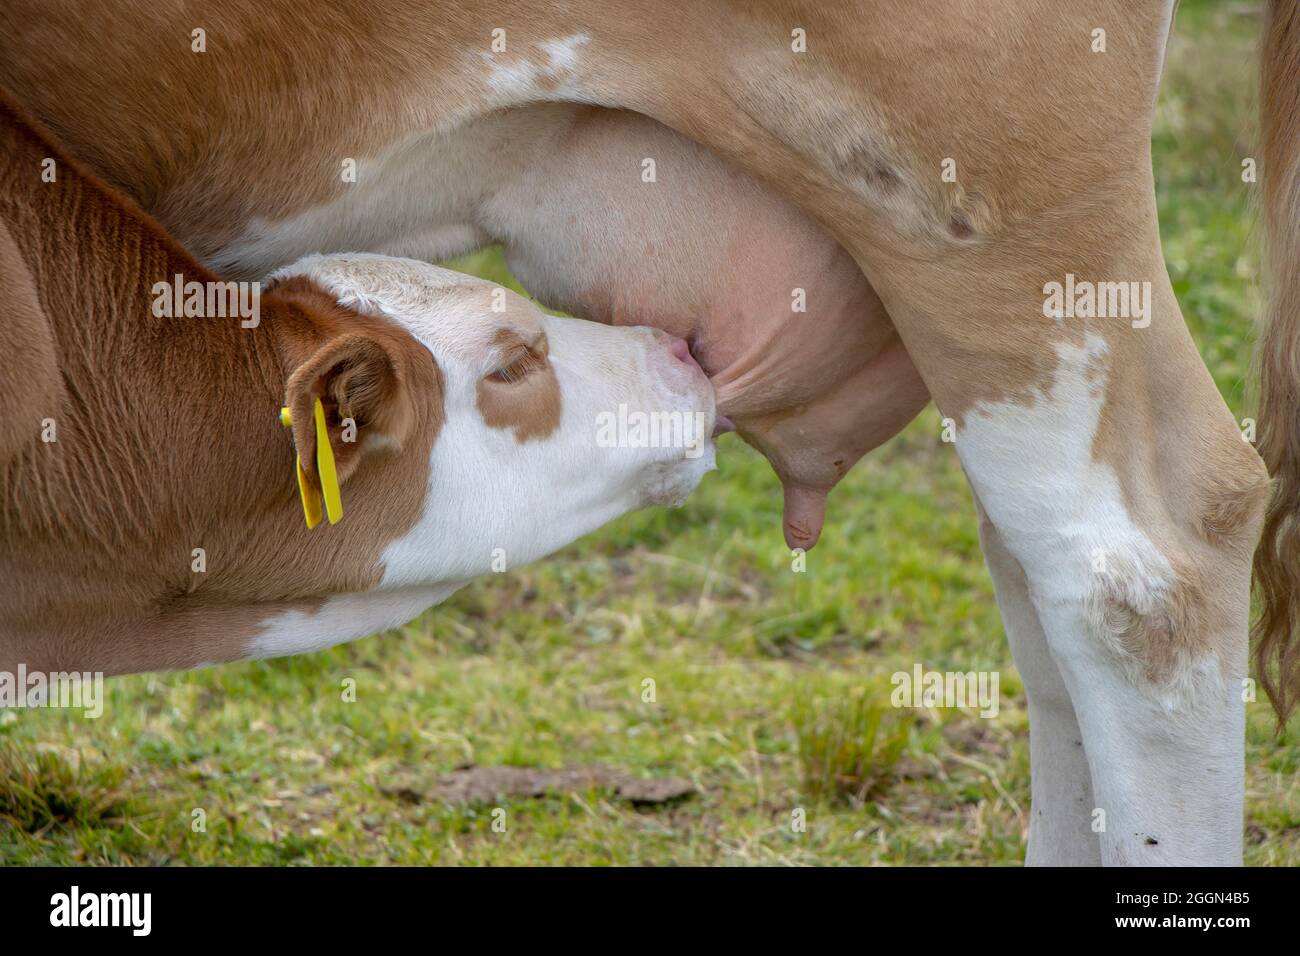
(770, 692)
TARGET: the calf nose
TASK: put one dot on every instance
(679, 355)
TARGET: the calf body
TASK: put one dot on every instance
(801, 352)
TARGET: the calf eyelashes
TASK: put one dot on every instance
(522, 394)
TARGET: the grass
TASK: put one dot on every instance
(769, 682)
(848, 745)
(43, 789)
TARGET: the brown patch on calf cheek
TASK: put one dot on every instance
(531, 407)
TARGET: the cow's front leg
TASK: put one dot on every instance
(1061, 803)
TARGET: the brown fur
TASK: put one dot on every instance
(1164, 639)
(147, 137)
(169, 440)
(364, 377)
(32, 391)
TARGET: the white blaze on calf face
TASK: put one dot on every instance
(496, 487)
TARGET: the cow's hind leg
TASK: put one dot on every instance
(1116, 478)
(1061, 802)
(1031, 293)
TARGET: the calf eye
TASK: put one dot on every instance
(519, 364)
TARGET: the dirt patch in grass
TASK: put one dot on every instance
(468, 785)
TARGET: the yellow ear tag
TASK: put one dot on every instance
(310, 500)
(329, 476)
(325, 469)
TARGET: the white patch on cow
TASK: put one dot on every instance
(441, 307)
(1062, 514)
(1059, 835)
(562, 55)
(519, 79)
(488, 491)
(1055, 507)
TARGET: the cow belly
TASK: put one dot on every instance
(420, 197)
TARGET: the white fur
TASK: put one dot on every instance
(515, 79)
(1058, 510)
(344, 617)
(1061, 801)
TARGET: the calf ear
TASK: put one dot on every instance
(362, 384)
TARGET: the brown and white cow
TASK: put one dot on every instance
(149, 508)
(976, 159)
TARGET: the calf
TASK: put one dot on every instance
(150, 509)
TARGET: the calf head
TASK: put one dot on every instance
(520, 412)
